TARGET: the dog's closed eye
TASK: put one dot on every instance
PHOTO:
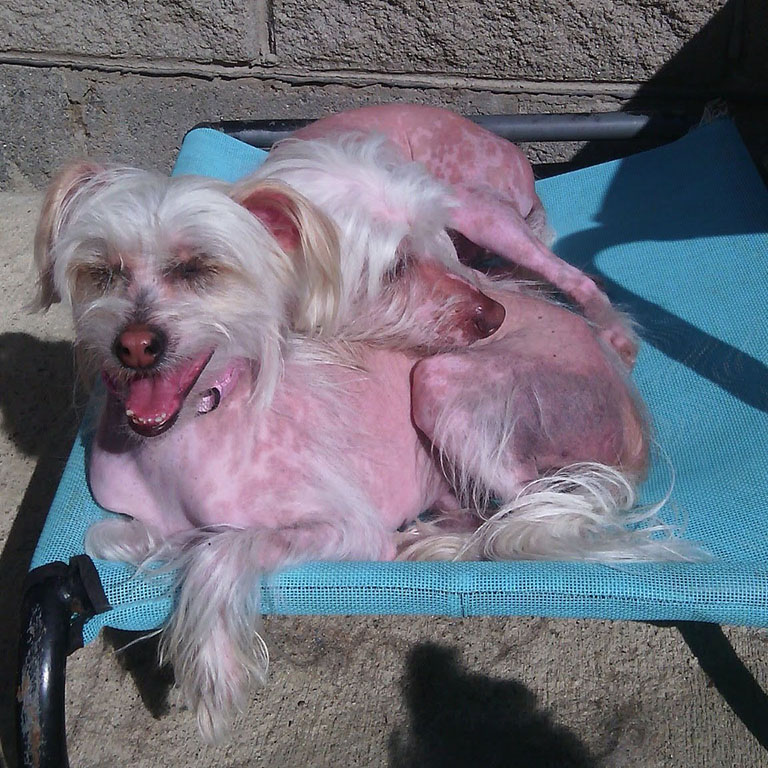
(98, 277)
(104, 275)
(195, 271)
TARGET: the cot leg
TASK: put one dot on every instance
(735, 683)
(57, 600)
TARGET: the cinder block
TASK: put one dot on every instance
(197, 30)
(141, 120)
(599, 40)
(751, 66)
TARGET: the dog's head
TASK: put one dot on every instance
(170, 280)
(402, 281)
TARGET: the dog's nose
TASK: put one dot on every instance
(489, 315)
(140, 346)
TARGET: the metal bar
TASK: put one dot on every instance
(45, 616)
(584, 127)
(547, 127)
(57, 601)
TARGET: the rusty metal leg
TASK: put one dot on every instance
(44, 642)
(57, 601)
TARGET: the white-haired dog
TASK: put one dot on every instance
(133, 252)
(253, 420)
(336, 469)
(401, 279)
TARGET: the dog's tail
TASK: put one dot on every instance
(583, 512)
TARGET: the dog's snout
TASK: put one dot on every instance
(140, 346)
(489, 315)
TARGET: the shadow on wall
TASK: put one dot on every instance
(727, 60)
(461, 719)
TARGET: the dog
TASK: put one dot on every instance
(494, 202)
(334, 469)
(146, 246)
(401, 281)
(199, 305)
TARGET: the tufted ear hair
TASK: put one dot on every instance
(56, 206)
(311, 242)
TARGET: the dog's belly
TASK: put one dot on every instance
(345, 445)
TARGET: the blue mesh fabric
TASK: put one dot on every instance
(678, 236)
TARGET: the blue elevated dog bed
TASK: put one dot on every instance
(679, 237)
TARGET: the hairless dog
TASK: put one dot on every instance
(497, 207)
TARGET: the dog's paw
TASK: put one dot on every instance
(121, 539)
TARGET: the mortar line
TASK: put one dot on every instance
(265, 32)
(355, 78)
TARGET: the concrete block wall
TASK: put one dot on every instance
(124, 80)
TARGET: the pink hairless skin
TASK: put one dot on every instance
(498, 208)
(338, 451)
(543, 387)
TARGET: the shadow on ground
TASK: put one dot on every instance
(137, 654)
(461, 719)
(39, 415)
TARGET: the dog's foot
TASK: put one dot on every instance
(122, 539)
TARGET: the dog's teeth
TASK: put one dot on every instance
(149, 420)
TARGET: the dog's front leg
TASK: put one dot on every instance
(213, 637)
(123, 539)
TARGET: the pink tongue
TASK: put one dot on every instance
(157, 397)
(153, 397)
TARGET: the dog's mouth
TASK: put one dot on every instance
(153, 402)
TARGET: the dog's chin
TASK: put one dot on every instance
(153, 402)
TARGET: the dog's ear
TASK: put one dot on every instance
(311, 242)
(53, 216)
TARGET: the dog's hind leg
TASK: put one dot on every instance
(471, 409)
(490, 222)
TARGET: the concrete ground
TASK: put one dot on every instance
(382, 691)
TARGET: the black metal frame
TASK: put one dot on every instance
(59, 598)
(519, 128)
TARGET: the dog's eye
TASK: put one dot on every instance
(190, 271)
(104, 275)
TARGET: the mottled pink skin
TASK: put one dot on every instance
(493, 182)
(232, 467)
(545, 374)
(451, 147)
(307, 466)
